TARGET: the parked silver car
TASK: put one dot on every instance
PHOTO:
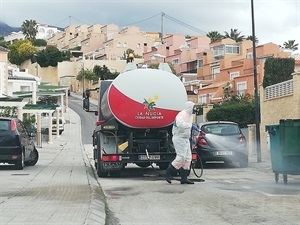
(221, 141)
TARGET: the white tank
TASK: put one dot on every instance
(146, 98)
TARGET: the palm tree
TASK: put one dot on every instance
(234, 34)
(29, 29)
(214, 36)
(290, 44)
(250, 37)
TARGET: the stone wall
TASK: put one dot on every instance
(272, 110)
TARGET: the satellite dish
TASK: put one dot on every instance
(195, 91)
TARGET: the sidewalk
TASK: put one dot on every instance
(66, 190)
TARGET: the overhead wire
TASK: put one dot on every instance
(140, 20)
(184, 24)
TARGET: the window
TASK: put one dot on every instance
(241, 87)
(119, 44)
(175, 61)
(138, 45)
(249, 55)
(215, 71)
(234, 75)
(211, 96)
(218, 50)
(232, 49)
(202, 99)
(199, 63)
(124, 44)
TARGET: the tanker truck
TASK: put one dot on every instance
(135, 114)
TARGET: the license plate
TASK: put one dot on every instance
(151, 157)
(223, 153)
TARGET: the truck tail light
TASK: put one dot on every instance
(111, 158)
(99, 122)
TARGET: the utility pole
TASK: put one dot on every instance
(257, 111)
(162, 28)
(83, 77)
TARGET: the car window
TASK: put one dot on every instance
(4, 125)
(221, 129)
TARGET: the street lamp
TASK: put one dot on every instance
(257, 111)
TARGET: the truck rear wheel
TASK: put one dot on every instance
(163, 166)
(115, 173)
(143, 164)
(100, 171)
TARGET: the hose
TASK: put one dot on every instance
(160, 174)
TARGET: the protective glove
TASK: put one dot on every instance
(195, 128)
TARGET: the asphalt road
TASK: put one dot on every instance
(229, 195)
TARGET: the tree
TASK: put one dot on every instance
(104, 73)
(40, 42)
(86, 74)
(214, 36)
(250, 37)
(50, 56)
(29, 29)
(234, 34)
(20, 50)
(290, 44)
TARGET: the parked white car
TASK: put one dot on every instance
(45, 125)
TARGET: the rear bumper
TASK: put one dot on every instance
(10, 154)
(222, 155)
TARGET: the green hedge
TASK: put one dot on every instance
(278, 70)
(243, 114)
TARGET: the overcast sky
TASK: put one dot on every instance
(276, 21)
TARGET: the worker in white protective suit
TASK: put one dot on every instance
(181, 139)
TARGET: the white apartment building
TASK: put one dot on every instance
(44, 31)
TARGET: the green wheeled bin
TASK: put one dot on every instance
(285, 148)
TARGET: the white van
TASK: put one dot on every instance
(45, 125)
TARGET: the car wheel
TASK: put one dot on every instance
(19, 165)
(227, 162)
(244, 162)
(34, 159)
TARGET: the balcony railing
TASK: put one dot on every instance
(279, 90)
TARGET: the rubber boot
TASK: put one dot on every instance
(184, 174)
(169, 171)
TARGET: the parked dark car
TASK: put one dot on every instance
(16, 143)
(221, 141)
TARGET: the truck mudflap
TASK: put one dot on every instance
(108, 166)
